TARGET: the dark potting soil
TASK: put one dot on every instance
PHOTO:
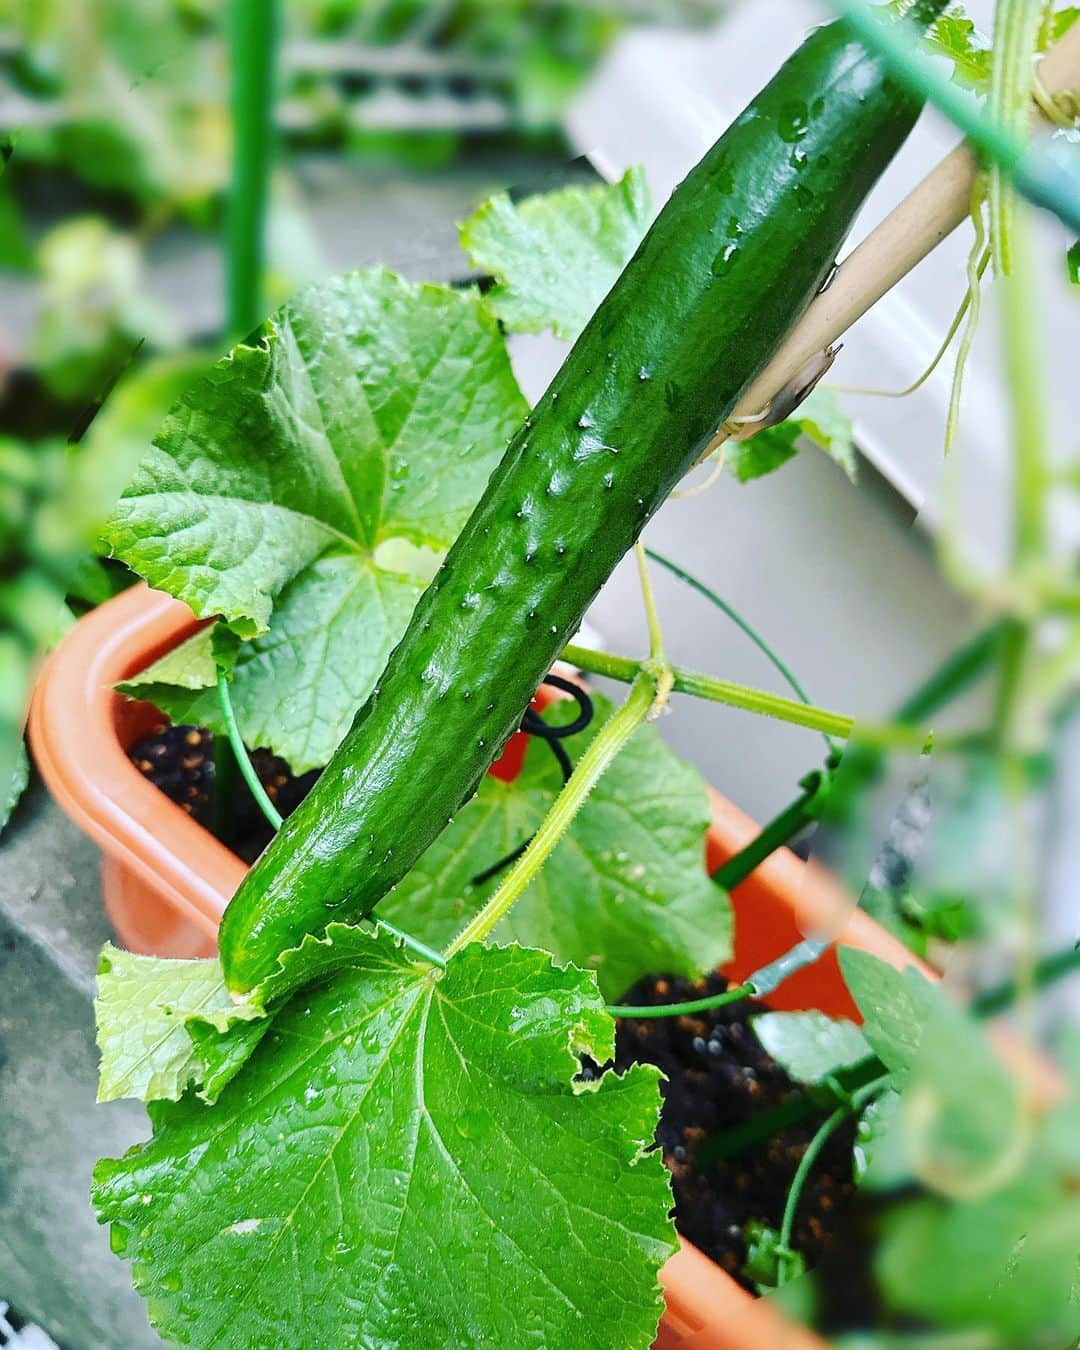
(718, 1074)
(719, 1077)
(180, 761)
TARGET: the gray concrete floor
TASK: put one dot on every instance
(55, 1265)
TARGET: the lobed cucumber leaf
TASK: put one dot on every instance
(626, 891)
(557, 254)
(407, 1159)
(300, 488)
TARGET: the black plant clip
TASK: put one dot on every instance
(532, 724)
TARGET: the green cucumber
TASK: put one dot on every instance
(736, 255)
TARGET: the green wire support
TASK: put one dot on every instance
(779, 831)
(253, 30)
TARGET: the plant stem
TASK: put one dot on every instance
(604, 747)
(956, 674)
(736, 618)
(225, 765)
(1025, 367)
(239, 750)
(252, 43)
(1043, 974)
(753, 700)
(1017, 24)
(828, 1128)
(976, 265)
(695, 1005)
(652, 616)
(657, 656)
(421, 949)
(778, 832)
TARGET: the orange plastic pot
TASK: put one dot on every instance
(167, 881)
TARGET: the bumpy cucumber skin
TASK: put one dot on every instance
(736, 255)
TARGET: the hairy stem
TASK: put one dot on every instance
(1017, 24)
(604, 747)
(753, 700)
(657, 656)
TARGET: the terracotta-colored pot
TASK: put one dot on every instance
(167, 881)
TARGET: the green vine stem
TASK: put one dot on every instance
(644, 1011)
(604, 747)
(861, 761)
(658, 661)
(976, 266)
(252, 43)
(858, 1100)
(1025, 366)
(782, 668)
(1017, 24)
(1047, 972)
(626, 669)
(243, 759)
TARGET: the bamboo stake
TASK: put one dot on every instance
(914, 229)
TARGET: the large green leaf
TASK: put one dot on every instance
(287, 482)
(556, 255)
(624, 894)
(407, 1161)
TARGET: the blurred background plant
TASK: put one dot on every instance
(118, 139)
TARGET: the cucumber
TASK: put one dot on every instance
(742, 246)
